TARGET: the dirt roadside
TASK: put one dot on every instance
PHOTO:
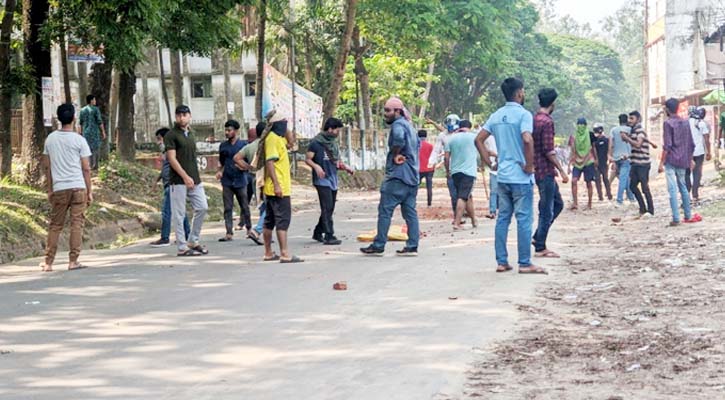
(633, 310)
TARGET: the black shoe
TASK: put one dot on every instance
(318, 237)
(372, 251)
(332, 241)
(407, 252)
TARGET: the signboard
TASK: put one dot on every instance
(48, 109)
(277, 95)
(83, 54)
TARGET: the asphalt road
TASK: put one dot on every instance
(141, 323)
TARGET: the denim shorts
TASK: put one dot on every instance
(588, 171)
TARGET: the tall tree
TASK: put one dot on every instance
(7, 89)
(333, 94)
(177, 83)
(35, 13)
(261, 32)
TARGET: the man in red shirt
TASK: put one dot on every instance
(423, 156)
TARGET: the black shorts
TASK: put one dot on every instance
(279, 212)
(589, 173)
(464, 185)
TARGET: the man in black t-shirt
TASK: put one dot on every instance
(600, 141)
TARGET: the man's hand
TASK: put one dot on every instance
(708, 156)
(218, 175)
(529, 168)
(50, 194)
(564, 177)
(188, 182)
(661, 169)
(103, 136)
(399, 159)
(320, 172)
(89, 198)
(278, 190)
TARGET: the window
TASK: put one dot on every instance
(201, 87)
(251, 85)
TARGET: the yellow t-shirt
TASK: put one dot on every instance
(275, 148)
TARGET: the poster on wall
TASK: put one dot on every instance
(277, 95)
(84, 54)
(48, 108)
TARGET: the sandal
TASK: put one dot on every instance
(255, 238)
(201, 249)
(77, 266)
(292, 260)
(225, 239)
(546, 254)
(532, 269)
(274, 257)
(504, 268)
(188, 253)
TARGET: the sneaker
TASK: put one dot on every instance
(407, 252)
(332, 241)
(372, 251)
(160, 243)
(646, 216)
(695, 218)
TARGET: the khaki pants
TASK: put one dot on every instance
(61, 201)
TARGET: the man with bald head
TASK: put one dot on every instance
(400, 186)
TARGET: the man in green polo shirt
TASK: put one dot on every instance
(185, 183)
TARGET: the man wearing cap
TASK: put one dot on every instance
(400, 186)
(277, 189)
(677, 149)
(583, 157)
(185, 184)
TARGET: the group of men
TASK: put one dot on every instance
(517, 147)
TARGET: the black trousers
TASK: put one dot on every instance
(328, 198)
(639, 176)
(228, 195)
(251, 183)
(602, 175)
(428, 184)
(695, 183)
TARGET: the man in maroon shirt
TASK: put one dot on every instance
(677, 149)
(546, 165)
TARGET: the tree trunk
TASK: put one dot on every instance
(64, 68)
(101, 76)
(363, 78)
(426, 93)
(126, 136)
(261, 28)
(309, 63)
(35, 14)
(333, 94)
(177, 82)
(145, 102)
(164, 93)
(83, 81)
(6, 92)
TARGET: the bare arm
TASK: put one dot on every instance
(86, 166)
(447, 163)
(481, 146)
(45, 163)
(316, 167)
(528, 152)
(174, 163)
(241, 164)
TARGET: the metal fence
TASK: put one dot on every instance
(363, 149)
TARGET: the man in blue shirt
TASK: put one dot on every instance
(233, 180)
(462, 167)
(512, 126)
(323, 156)
(400, 187)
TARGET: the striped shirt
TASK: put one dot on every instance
(640, 156)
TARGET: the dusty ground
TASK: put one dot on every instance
(635, 310)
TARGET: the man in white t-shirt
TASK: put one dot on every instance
(439, 149)
(68, 175)
(701, 137)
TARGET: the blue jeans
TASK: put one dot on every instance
(262, 214)
(518, 199)
(166, 218)
(453, 192)
(623, 168)
(493, 189)
(676, 183)
(394, 193)
(550, 206)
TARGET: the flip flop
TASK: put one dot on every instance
(77, 266)
(532, 270)
(189, 253)
(504, 268)
(201, 249)
(274, 257)
(225, 239)
(546, 254)
(292, 260)
(255, 239)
